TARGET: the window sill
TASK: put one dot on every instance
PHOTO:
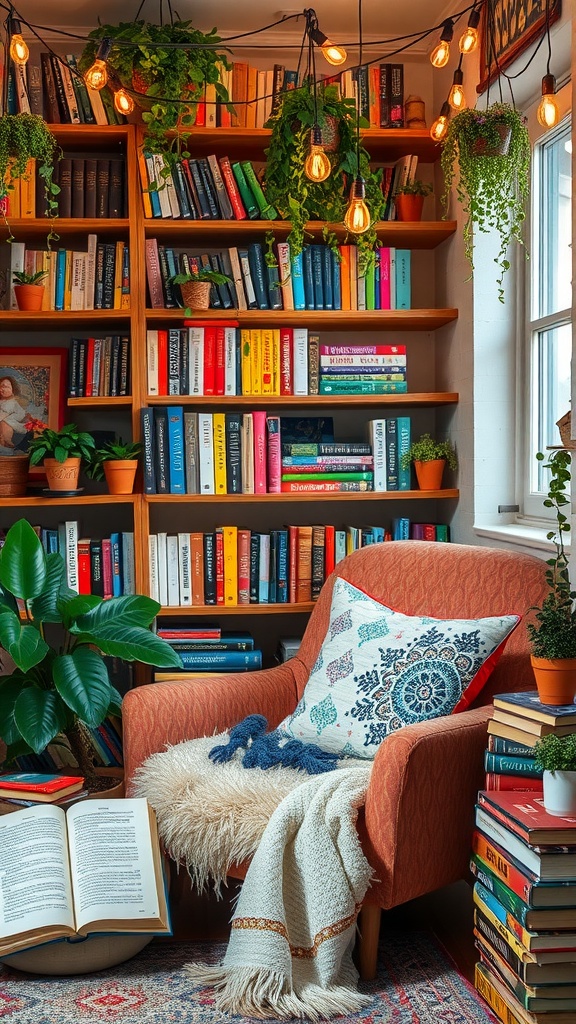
(520, 535)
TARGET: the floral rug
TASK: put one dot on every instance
(416, 984)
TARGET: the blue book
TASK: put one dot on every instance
(528, 705)
(336, 282)
(483, 897)
(499, 745)
(264, 569)
(282, 570)
(259, 274)
(317, 275)
(235, 661)
(116, 550)
(326, 254)
(400, 528)
(378, 532)
(403, 433)
(272, 589)
(308, 277)
(60, 279)
(508, 764)
(403, 300)
(176, 450)
(298, 282)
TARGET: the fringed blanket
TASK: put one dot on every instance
(290, 951)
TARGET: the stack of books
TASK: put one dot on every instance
(204, 648)
(522, 719)
(26, 789)
(361, 369)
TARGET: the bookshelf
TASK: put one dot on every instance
(146, 514)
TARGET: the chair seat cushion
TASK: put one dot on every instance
(379, 670)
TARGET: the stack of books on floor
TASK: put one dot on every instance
(27, 789)
(205, 649)
(524, 864)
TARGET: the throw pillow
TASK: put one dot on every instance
(379, 670)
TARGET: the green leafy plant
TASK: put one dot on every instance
(25, 137)
(110, 452)
(492, 186)
(414, 188)
(554, 633)
(170, 80)
(21, 277)
(288, 189)
(57, 640)
(203, 274)
(556, 753)
(67, 443)
(425, 449)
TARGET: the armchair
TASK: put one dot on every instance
(419, 813)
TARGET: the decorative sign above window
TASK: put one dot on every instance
(508, 28)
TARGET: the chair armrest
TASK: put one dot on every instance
(162, 714)
(419, 813)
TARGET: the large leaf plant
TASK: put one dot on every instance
(57, 640)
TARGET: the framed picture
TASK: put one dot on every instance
(32, 396)
(508, 27)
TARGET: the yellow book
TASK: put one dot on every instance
(219, 429)
(246, 363)
(504, 1003)
(28, 191)
(256, 360)
(267, 350)
(146, 201)
(276, 361)
(68, 280)
(118, 275)
(230, 539)
(46, 281)
(125, 279)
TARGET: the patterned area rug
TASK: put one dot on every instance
(416, 984)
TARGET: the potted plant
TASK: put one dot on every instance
(195, 286)
(61, 451)
(490, 150)
(409, 199)
(28, 290)
(26, 137)
(553, 635)
(117, 462)
(167, 82)
(58, 639)
(556, 757)
(429, 458)
(289, 190)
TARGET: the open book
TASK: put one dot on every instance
(96, 867)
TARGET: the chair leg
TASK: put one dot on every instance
(369, 928)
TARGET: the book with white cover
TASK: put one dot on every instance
(206, 452)
(196, 360)
(153, 566)
(152, 361)
(300, 360)
(173, 570)
(71, 534)
(162, 571)
(184, 567)
(377, 439)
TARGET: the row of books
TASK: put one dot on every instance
(224, 652)
(202, 188)
(524, 865)
(106, 751)
(99, 367)
(101, 566)
(52, 88)
(98, 278)
(89, 187)
(317, 278)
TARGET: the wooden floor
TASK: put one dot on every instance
(447, 912)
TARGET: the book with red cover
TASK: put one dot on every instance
(45, 788)
(526, 818)
(508, 783)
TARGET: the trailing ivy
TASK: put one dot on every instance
(25, 137)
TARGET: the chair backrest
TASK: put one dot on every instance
(444, 581)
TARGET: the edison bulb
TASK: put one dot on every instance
(468, 40)
(123, 102)
(317, 166)
(440, 54)
(97, 76)
(357, 217)
(457, 99)
(548, 114)
(19, 51)
(333, 54)
(440, 126)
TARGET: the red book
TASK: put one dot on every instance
(200, 121)
(329, 550)
(162, 362)
(43, 788)
(84, 585)
(508, 783)
(232, 188)
(527, 819)
(190, 634)
(219, 545)
(220, 360)
(89, 368)
(107, 567)
(210, 359)
(244, 566)
(362, 350)
(292, 562)
(286, 341)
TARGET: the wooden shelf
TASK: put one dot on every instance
(79, 499)
(25, 228)
(239, 609)
(104, 400)
(339, 319)
(426, 399)
(247, 499)
(51, 319)
(404, 235)
(86, 135)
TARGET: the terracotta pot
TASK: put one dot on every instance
(120, 475)
(196, 294)
(429, 474)
(13, 475)
(62, 476)
(408, 207)
(29, 296)
(555, 679)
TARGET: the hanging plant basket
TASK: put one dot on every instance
(483, 147)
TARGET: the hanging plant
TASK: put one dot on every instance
(165, 77)
(298, 199)
(491, 150)
(25, 137)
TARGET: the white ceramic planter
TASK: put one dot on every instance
(560, 793)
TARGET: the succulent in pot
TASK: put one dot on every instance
(28, 289)
(429, 458)
(556, 756)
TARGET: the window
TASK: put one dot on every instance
(549, 329)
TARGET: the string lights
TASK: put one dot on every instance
(441, 53)
(457, 96)
(548, 114)
(357, 217)
(97, 75)
(333, 53)
(18, 50)
(440, 125)
(468, 41)
(317, 166)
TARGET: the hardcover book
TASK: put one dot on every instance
(39, 787)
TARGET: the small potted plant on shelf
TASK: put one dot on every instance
(429, 458)
(556, 757)
(487, 154)
(117, 462)
(62, 452)
(57, 640)
(29, 290)
(553, 635)
(409, 199)
(23, 138)
(195, 286)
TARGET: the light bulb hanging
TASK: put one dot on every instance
(548, 114)
(19, 51)
(333, 53)
(357, 217)
(123, 102)
(441, 53)
(97, 75)
(457, 96)
(317, 166)
(440, 125)
(468, 41)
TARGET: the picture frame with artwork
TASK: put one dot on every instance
(507, 29)
(32, 396)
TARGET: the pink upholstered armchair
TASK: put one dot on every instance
(418, 819)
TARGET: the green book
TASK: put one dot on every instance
(287, 477)
(352, 387)
(246, 192)
(371, 287)
(267, 211)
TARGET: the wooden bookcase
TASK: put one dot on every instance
(146, 512)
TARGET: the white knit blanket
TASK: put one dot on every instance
(293, 930)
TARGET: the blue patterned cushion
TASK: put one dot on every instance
(378, 670)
